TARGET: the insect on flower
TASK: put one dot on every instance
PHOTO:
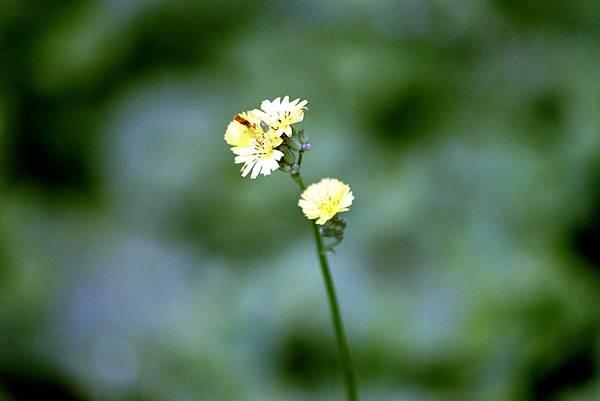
(242, 120)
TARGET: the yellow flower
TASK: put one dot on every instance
(281, 114)
(325, 199)
(244, 127)
(252, 146)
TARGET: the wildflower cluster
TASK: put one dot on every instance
(264, 140)
(257, 136)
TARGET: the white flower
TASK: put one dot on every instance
(260, 155)
(281, 114)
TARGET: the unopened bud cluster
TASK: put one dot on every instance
(292, 148)
(333, 229)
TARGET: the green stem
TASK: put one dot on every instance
(336, 316)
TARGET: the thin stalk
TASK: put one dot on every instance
(336, 316)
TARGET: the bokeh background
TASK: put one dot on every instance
(136, 264)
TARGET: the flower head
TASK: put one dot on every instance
(253, 147)
(260, 155)
(244, 127)
(325, 199)
(281, 114)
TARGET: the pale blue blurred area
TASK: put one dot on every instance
(137, 264)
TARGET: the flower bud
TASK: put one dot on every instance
(331, 231)
(294, 169)
(288, 155)
(293, 143)
(285, 167)
(302, 135)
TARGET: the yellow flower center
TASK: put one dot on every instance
(284, 119)
(329, 206)
(266, 144)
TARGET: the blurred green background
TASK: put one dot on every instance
(136, 263)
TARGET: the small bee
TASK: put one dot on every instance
(242, 120)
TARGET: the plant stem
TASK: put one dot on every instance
(336, 316)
